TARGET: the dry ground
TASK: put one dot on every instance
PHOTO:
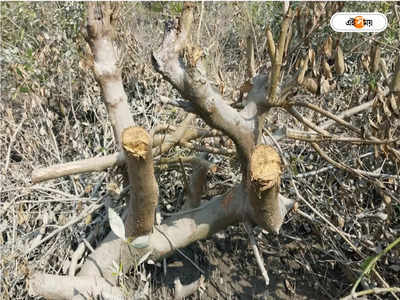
(51, 112)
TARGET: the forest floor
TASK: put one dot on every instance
(51, 112)
(231, 271)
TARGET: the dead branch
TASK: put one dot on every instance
(84, 214)
(308, 136)
(184, 133)
(367, 176)
(166, 142)
(356, 172)
(328, 114)
(307, 122)
(348, 113)
(208, 149)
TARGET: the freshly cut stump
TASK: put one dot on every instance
(137, 145)
(265, 171)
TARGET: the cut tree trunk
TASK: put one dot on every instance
(256, 199)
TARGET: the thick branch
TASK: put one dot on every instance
(95, 164)
(192, 83)
(68, 287)
(106, 65)
(181, 231)
(177, 232)
(98, 164)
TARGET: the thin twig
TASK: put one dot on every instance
(349, 112)
(208, 149)
(308, 204)
(90, 210)
(308, 136)
(259, 259)
(179, 251)
(328, 115)
(83, 215)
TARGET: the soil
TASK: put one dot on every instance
(231, 271)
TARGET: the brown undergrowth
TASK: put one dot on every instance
(51, 112)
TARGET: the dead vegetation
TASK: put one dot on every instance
(334, 124)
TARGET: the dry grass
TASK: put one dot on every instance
(51, 111)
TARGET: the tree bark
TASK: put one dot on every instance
(144, 189)
(106, 65)
(255, 199)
